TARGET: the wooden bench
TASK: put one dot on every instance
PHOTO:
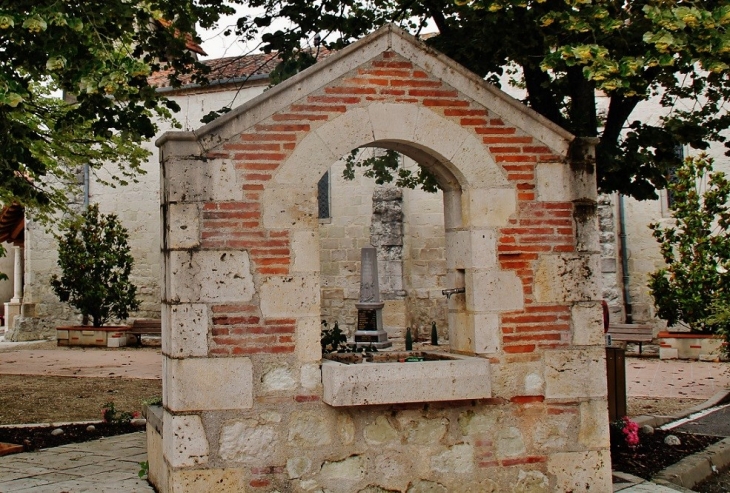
(145, 326)
(631, 333)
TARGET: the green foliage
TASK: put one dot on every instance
(110, 414)
(566, 50)
(144, 469)
(333, 340)
(100, 55)
(152, 401)
(95, 261)
(694, 287)
(385, 168)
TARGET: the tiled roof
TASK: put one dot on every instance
(231, 69)
(190, 43)
(12, 224)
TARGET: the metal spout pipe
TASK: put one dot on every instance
(449, 292)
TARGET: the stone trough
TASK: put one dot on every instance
(386, 378)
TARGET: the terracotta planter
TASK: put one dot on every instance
(690, 345)
(86, 335)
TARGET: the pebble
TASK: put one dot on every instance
(57, 432)
(91, 428)
(672, 440)
(647, 430)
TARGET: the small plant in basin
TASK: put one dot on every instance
(96, 262)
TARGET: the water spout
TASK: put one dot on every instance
(449, 292)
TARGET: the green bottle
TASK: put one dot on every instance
(434, 335)
(409, 340)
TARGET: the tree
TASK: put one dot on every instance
(562, 52)
(95, 261)
(99, 54)
(694, 287)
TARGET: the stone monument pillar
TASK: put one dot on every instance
(370, 309)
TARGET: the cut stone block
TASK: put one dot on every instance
(202, 384)
(389, 383)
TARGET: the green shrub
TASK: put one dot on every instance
(95, 261)
(693, 288)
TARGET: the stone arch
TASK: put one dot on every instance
(460, 164)
(243, 373)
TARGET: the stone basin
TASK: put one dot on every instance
(353, 381)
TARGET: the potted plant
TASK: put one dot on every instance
(692, 290)
(95, 261)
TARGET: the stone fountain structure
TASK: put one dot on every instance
(249, 405)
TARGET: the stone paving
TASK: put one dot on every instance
(102, 466)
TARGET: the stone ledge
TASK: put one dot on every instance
(459, 378)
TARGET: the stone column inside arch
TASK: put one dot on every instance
(386, 234)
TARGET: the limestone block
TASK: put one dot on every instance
(247, 441)
(490, 207)
(509, 442)
(573, 374)
(157, 473)
(389, 468)
(567, 277)
(387, 383)
(290, 296)
(210, 276)
(381, 432)
(479, 423)
(278, 378)
(460, 332)
(309, 429)
(458, 249)
(291, 207)
(311, 376)
(581, 471)
(345, 429)
(393, 121)
(188, 331)
(189, 384)
(311, 158)
(493, 291)
(587, 321)
(394, 317)
(553, 183)
(202, 181)
(347, 132)
(352, 468)
(559, 433)
(457, 459)
(668, 353)
(486, 333)
(308, 348)
(454, 205)
(534, 384)
(183, 226)
(583, 180)
(427, 431)
(305, 251)
(431, 128)
(184, 440)
(425, 486)
(532, 482)
(477, 165)
(296, 467)
(208, 481)
(587, 236)
(594, 430)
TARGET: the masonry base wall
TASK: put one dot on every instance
(297, 443)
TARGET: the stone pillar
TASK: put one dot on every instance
(12, 308)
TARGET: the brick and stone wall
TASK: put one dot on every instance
(242, 391)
